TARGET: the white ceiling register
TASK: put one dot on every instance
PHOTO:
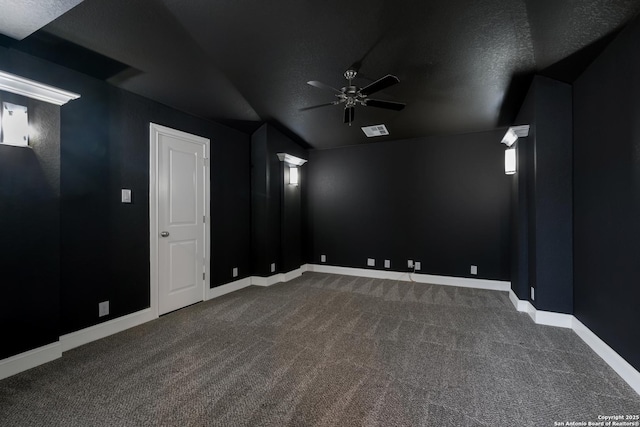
(32, 89)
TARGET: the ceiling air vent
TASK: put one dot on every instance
(375, 130)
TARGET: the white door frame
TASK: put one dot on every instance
(155, 131)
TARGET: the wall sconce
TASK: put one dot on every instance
(513, 133)
(510, 138)
(291, 160)
(510, 161)
(15, 125)
(294, 163)
(294, 178)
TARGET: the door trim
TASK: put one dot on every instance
(155, 130)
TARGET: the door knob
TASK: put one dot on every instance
(165, 234)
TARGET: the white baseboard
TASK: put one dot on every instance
(548, 318)
(102, 330)
(29, 359)
(465, 282)
(228, 288)
(560, 320)
(278, 278)
(609, 355)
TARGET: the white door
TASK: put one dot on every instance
(182, 200)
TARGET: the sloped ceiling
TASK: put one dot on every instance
(463, 65)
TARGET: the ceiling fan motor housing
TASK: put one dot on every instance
(352, 95)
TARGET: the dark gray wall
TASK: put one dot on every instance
(543, 198)
(104, 245)
(443, 201)
(607, 195)
(30, 232)
(276, 206)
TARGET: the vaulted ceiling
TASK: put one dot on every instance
(463, 65)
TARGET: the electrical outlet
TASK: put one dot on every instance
(533, 294)
(417, 265)
(371, 262)
(474, 269)
(323, 258)
(103, 308)
(410, 263)
(235, 271)
(387, 263)
(273, 267)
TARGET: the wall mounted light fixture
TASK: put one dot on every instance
(510, 161)
(15, 125)
(513, 133)
(294, 163)
(294, 178)
(510, 138)
(291, 160)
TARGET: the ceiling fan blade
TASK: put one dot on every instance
(313, 107)
(389, 105)
(379, 84)
(349, 115)
(321, 85)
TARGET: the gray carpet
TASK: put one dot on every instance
(327, 350)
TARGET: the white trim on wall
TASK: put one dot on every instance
(228, 288)
(609, 355)
(29, 359)
(35, 90)
(278, 278)
(464, 282)
(102, 330)
(540, 317)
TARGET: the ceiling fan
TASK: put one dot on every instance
(351, 95)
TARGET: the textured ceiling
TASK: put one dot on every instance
(463, 65)
(18, 19)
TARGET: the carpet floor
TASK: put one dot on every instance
(327, 350)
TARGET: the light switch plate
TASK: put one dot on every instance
(126, 195)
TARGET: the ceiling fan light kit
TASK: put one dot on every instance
(352, 96)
